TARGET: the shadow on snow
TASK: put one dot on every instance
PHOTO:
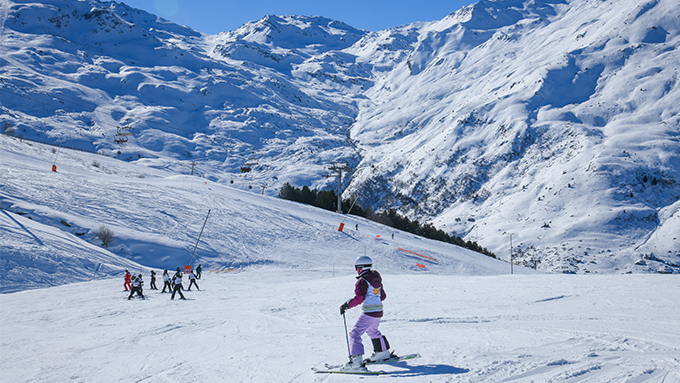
(428, 369)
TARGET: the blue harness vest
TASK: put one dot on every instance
(372, 302)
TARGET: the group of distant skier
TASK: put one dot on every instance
(134, 284)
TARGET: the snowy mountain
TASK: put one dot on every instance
(542, 120)
(554, 121)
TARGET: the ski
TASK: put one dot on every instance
(393, 359)
(333, 366)
(349, 372)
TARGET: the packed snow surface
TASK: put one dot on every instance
(273, 324)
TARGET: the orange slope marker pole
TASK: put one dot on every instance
(420, 255)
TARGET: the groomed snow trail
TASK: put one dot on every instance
(270, 324)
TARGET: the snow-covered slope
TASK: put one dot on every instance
(36, 255)
(273, 313)
(273, 325)
(554, 121)
(50, 222)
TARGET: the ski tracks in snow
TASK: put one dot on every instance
(273, 324)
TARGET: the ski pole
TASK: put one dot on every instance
(349, 353)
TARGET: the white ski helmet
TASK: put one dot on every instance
(363, 262)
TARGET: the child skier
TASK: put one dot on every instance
(166, 281)
(126, 284)
(369, 292)
(192, 281)
(152, 285)
(177, 280)
(137, 284)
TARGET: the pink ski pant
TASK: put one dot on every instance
(365, 324)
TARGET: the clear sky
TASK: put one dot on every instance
(213, 16)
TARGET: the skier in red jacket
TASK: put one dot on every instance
(127, 281)
(368, 292)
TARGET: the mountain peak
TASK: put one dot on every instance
(296, 31)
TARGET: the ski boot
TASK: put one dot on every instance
(378, 352)
(356, 363)
(379, 356)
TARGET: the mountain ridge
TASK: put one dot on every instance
(539, 119)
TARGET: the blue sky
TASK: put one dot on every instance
(213, 16)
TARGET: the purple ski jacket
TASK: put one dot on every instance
(361, 289)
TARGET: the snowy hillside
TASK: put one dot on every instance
(275, 273)
(554, 121)
(50, 222)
